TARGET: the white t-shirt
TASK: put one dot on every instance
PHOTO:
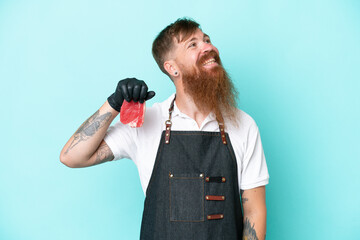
(141, 144)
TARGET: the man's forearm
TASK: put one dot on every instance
(254, 205)
(86, 140)
(254, 227)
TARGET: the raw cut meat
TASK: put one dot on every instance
(132, 113)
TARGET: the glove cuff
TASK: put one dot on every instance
(113, 104)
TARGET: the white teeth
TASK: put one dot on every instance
(209, 61)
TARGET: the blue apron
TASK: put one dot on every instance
(193, 191)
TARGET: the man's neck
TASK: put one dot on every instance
(187, 106)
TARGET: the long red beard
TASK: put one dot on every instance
(211, 89)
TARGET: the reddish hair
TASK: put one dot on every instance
(180, 30)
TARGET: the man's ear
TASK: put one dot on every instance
(172, 69)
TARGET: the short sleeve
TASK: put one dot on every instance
(121, 140)
(254, 169)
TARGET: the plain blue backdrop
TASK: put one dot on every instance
(296, 65)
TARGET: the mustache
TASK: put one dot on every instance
(207, 56)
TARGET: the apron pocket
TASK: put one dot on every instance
(186, 197)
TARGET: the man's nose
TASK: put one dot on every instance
(207, 47)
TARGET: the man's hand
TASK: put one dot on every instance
(129, 89)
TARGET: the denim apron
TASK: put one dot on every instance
(193, 191)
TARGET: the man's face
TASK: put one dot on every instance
(197, 55)
(203, 77)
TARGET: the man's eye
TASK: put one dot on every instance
(192, 45)
(207, 41)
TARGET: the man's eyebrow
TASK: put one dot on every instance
(195, 38)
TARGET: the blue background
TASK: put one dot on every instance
(295, 63)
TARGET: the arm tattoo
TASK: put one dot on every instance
(89, 128)
(104, 154)
(243, 200)
(249, 232)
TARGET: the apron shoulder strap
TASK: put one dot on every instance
(222, 133)
(168, 124)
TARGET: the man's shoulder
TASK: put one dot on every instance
(243, 120)
(161, 108)
(156, 115)
(242, 129)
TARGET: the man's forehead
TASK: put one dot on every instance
(196, 35)
(184, 40)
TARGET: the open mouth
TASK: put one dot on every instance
(209, 61)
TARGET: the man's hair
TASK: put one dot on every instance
(180, 31)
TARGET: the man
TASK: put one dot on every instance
(194, 166)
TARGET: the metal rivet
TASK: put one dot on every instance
(201, 175)
(171, 175)
(167, 141)
(222, 216)
(208, 217)
(224, 142)
(223, 198)
(207, 197)
(167, 134)
(223, 135)
(223, 179)
(167, 128)
(207, 179)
